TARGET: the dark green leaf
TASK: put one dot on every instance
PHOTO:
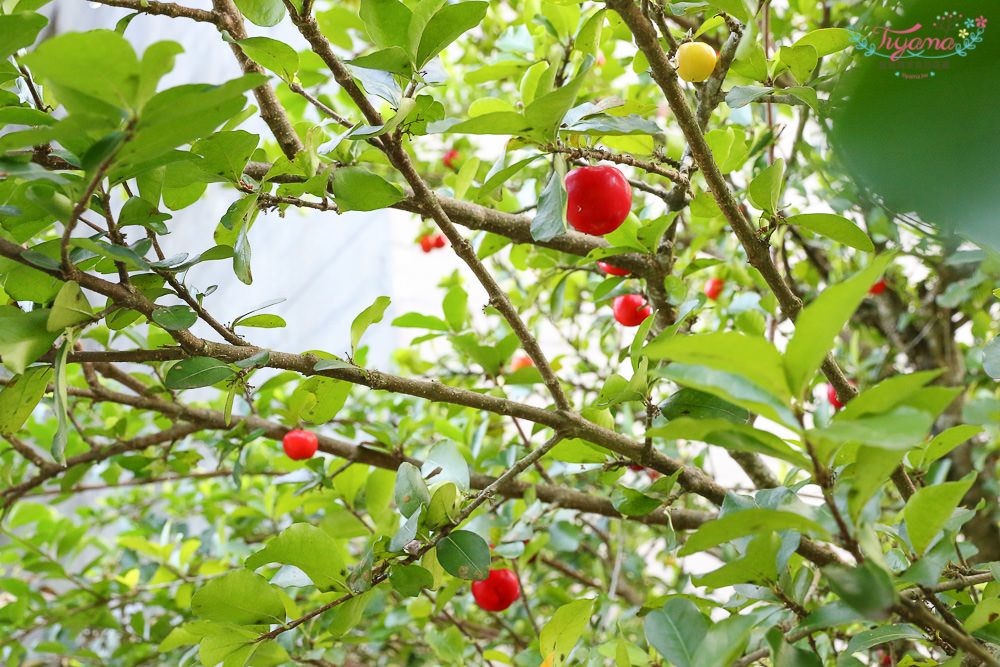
(696, 404)
(174, 318)
(409, 580)
(464, 555)
(676, 630)
(740, 96)
(197, 372)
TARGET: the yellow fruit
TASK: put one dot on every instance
(695, 61)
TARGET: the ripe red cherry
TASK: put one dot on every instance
(440, 241)
(630, 309)
(300, 445)
(598, 199)
(426, 243)
(450, 158)
(613, 270)
(498, 591)
(831, 395)
(713, 288)
(521, 361)
(877, 288)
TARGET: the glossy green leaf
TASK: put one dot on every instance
(631, 502)
(174, 318)
(24, 337)
(725, 641)
(410, 491)
(409, 580)
(69, 308)
(747, 522)
(197, 372)
(387, 22)
(265, 13)
(453, 466)
(369, 316)
(834, 227)
(930, 507)
(565, 628)
(464, 555)
(695, 404)
(308, 548)
(734, 388)
(276, 56)
(240, 597)
(356, 189)
(550, 218)
(676, 630)
(446, 26)
(764, 190)
(887, 633)
(20, 396)
(820, 322)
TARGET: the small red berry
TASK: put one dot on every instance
(498, 591)
(713, 288)
(598, 199)
(613, 270)
(426, 243)
(450, 158)
(300, 445)
(831, 395)
(635, 466)
(521, 361)
(440, 241)
(630, 309)
(877, 288)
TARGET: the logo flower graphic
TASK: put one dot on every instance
(963, 33)
(981, 22)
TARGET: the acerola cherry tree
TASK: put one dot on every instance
(590, 478)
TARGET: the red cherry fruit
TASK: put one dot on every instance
(598, 199)
(713, 288)
(831, 395)
(630, 309)
(521, 361)
(636, 467)
(498, 591)
(440, 241)
(613, 270)
(450, 158)
(300, 445)
(877, 288)
(426, 243)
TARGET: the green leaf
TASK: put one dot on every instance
(174, 318)
(410, 491)
(800, 59)
(19, 398)
(834, 227)
(901, 428)
(564, 629)
(631, 502)
(387, 22)
(19, 31)
(754, 358)
(740, 96)
(24, 337)
(323, 397)
(446, 26)
(734, 388)
(545, 113)
(308, 548)
(947, 440)
(226, 153)
(991, 358)
(99, 65)
(271, 54)
(454, 468)
(69, 308)
(758, 566)
(874, 466)
(409, 580)
(369, 316)
(826, 40)
(866, 588)
(676, 630)
(725, 641)
(265, 321)
(887, 394)
(356, 189)
(394, 59)
(550, 217)
(464, 555)
(346, 616)
(887, 633)
(736, 8)
(930, 507)
(421, 321)
(265, 13)
(197, 372)
(751, 521)
(819, 323)
(764, 190)
(406, 532)
(241, 256)
(260, 359)
(696, 404)
(240, 597)
(739, 437)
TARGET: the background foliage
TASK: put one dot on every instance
(149, 518)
